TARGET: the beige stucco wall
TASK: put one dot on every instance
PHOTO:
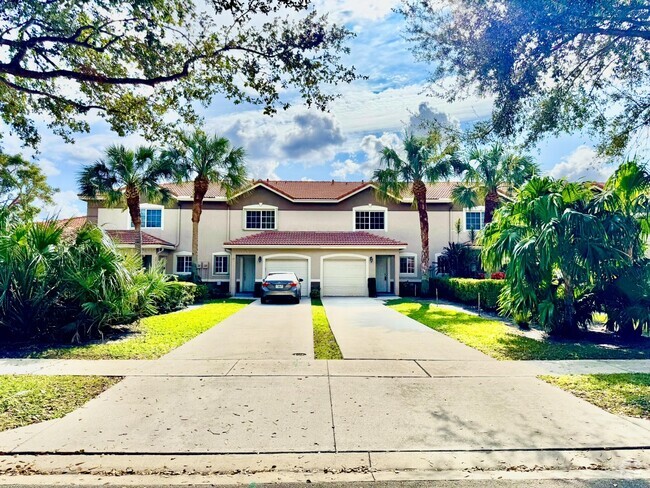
(220, 224)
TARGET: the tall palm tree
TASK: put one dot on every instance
(123, 177)
(207, 159)
(488, 171)
(427, 160)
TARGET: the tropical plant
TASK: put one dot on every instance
(426, 160)
(56, 283)
(207, 160)
(488, 172)
(124, 177)
(460, 260)
(557, 242)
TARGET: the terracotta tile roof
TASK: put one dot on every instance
(313, 238)
(311, 190)
(128, 237)
(186, 189)
(73, 224)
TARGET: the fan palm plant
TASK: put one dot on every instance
(486, 172)
(207, 160)
(427, 160)
(124, 177)
(557, 244)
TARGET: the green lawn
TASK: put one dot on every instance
(156, 335)
(495, 339)
(26, 400)
(622, 394)
(325, 346)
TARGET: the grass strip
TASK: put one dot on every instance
(325, 346)
(621, 394)
(154, 336)
(495, 339)
(26, 400)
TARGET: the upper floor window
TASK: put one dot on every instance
(260, 217)
(370, 218)
(474, 219)
(152, 218)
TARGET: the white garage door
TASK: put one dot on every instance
(298, 266)
(344, 278)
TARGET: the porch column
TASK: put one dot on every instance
(396, 260)
(233, 273)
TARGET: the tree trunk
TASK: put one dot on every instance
(200, 189)
(420, 194)
(133, 204)
(491, 204)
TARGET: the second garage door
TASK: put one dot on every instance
(344, 278)
(298, 266)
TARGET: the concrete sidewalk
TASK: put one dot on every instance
(303, 367)
(274, 331)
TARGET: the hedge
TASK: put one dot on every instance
(178, 295)
(466, 290)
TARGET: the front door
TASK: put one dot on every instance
(384, 274)
(247, 274)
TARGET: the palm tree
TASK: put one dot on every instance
(486, 172)
(428, 159)
(123, 177)
(207, 159)
(558, 243)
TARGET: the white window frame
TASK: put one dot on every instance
(178, 255)
(222, 254)
(369, 208)
(415, 263)
(148, 206)
(474, 210)
(259, 207)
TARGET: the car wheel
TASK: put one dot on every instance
(297, 300)
(264, 301)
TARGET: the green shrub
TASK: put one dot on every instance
(178, 295)
(202, 293)
(315, 293)
(466, 290)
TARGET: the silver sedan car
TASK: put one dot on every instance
(281, 285)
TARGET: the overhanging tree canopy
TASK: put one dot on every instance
(553, 66)
(136, 60)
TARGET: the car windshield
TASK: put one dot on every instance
(281, 277)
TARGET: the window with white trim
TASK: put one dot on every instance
(370, 217)
(151, 218)
(220, 263)
(184, 264)
(407, 265)
(474, 219)
(260, 217)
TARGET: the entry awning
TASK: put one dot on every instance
(315, 239)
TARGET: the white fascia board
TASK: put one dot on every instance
(309, 247)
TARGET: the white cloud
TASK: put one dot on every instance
(341, 170)
(356, 10)
(583, 164)
(66, 205)
(48, 167)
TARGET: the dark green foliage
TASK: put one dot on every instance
(178, 295)
(57, 284)
(314, 293)
(552, 65)
(571, 249)
(466, 290)
(133, 62)
(460, 260)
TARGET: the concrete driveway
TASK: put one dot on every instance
(366, 329)
(274, 331)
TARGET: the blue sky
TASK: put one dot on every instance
(341, 144)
